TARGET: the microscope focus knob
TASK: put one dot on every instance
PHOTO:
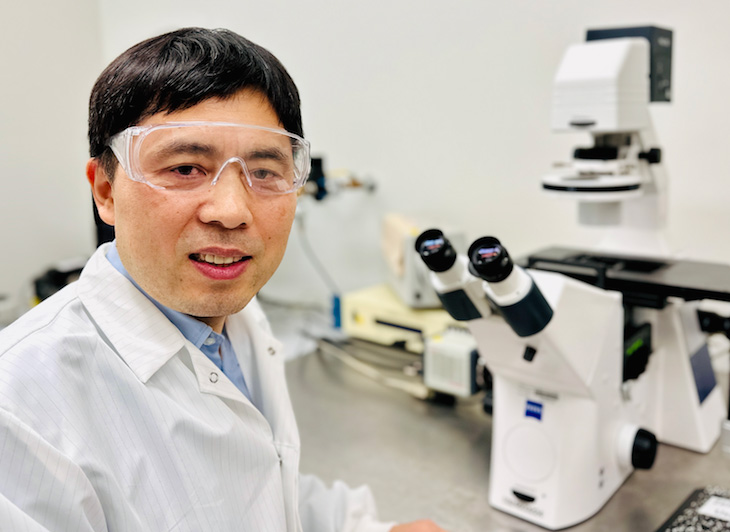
(636, 447)
(644, 450)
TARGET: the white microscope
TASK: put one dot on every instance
(585, 378)
(594, 355)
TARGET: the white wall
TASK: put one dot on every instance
(50, 57)
(447, 106)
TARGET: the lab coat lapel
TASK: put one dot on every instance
(267, 384)
(212, 380)
(265, 375)
(140, 334)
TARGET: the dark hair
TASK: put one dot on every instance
(178, 70)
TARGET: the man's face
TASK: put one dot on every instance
(169, 240)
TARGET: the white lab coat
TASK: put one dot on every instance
(110, 420)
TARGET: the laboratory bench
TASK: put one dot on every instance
(428, 460)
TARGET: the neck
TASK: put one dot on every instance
(215, 323)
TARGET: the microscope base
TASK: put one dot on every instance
(555, 471)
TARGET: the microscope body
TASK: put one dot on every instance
(562, 433)
(586, 378)
(564, 437)
(567, 429)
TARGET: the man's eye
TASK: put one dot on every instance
(264, 174)
(187, 171)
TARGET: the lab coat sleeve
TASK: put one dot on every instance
(337, 509)
(41, 490)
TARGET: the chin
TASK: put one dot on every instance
(217, 308)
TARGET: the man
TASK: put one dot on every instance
(150, 395)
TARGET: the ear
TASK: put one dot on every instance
(102, 189)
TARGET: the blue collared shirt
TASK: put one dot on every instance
(215, 346)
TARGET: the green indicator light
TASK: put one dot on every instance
(634, 347)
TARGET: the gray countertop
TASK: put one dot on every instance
(424, 460)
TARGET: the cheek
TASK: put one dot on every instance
(286, 218)
(150, 220)
(279, 221)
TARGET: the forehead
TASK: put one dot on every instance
(245, 107)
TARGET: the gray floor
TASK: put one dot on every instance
(424, 460)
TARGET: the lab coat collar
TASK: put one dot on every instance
(142, 336)
(146, 339)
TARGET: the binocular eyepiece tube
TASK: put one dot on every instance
(508, 286)
(460, 292)
(512, 290)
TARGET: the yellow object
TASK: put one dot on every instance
(376, 314)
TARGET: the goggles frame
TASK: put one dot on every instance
(127, 151)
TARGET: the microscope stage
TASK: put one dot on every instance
(644, 281)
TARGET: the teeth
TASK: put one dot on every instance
(215, 259)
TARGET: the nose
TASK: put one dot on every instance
(228, 200)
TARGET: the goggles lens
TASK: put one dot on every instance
(193, 156)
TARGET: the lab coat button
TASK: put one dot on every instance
(272, 351)
(213, 377)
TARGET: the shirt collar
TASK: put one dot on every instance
(193, 329)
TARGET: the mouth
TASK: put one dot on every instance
(218, 260)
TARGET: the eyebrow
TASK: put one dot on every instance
(268, 153)
(177, 147)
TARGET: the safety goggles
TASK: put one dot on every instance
(191, 156)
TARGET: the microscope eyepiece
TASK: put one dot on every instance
(435, 250)
(489, 260)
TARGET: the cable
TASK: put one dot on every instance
(370, 353)
(318, 266)
(415, 389)
(373, 358)
(322, 271)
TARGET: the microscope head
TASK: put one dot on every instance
(605, 84)
(603, 87)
